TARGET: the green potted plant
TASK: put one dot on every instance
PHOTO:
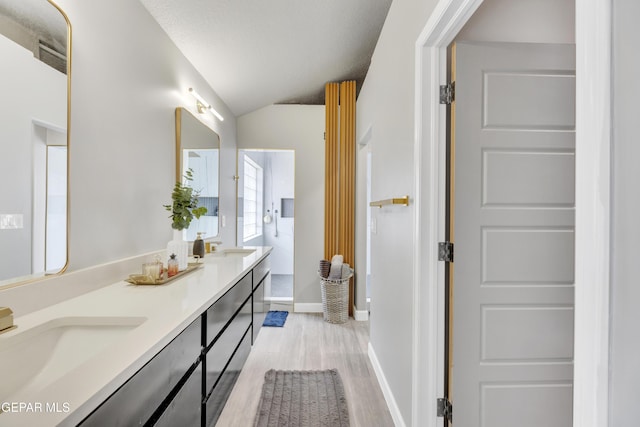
(183, 209)
(185, 204)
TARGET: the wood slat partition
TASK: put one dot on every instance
(347, 185)
(340, 148)
(332, 124)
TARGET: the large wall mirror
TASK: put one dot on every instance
(198, 149)
(35, 46)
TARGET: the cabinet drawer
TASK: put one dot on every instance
(261, 270)
(218, 356)
(216, 401)
(260, 309)
(143, 393)
(222, 310)
(185, 408)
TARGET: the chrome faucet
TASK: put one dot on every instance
(6, 318)
(213, 244)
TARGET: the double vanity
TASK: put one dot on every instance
(137, 355)
(85, 350)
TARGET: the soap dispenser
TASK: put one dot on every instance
(198, 246)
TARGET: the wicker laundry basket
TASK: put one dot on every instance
(335, 299)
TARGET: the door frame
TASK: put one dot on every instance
(238, 179)
(592, 220)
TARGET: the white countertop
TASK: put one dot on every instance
(168, 309)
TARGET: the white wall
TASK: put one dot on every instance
(127, 80)
(299, 128)
(625, 269)
(386, 104)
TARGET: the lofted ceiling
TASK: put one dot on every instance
(256, 53)
(28, 22)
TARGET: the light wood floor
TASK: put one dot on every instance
(307, 342)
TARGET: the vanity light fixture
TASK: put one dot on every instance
(203, 105)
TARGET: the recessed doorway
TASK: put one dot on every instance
(266, 214)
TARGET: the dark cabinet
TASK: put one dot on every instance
(261, 270)
(140, 397)
(220, 354)
(218, 397)
(222, 311)
(260, 308)
(188, 382)
(261, 273)
(224, 360)
(184, 409)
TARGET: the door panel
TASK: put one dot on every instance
(513, 204)
(502, 340)
(546, 99)
(503, 403)
(544, 262)
(538, 179)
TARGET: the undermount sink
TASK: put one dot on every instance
(36, 357)
(233, 252)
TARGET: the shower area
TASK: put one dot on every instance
(266, 213)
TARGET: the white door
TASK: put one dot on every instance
(513, 232)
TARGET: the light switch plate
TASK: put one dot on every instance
(11, 221)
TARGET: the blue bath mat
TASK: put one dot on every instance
(275, 318)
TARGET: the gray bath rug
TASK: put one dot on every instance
(302, 398)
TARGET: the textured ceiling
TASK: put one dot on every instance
(38, 18)
(260, 52)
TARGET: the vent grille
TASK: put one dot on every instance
(52, 57)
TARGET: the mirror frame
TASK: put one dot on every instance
(35, 277)
(178, 114)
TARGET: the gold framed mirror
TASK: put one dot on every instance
(198, 149)
(35, 46)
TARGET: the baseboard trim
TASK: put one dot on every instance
(280, 306)
(386, 390)
(360, 315)
(313, 307)
(279, 299)
(316, 307)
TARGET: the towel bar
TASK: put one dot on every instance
(403, 201)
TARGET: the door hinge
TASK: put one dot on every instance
(445, 409)
(445, 251)
(448, 93)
